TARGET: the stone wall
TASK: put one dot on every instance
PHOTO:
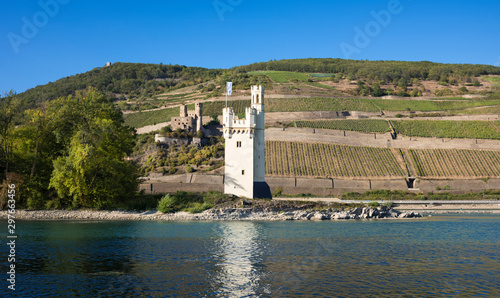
(319, 187)
(457, 185)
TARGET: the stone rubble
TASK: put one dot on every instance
(264, 214)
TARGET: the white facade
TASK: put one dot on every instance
(244, 151)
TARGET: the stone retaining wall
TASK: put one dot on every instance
(458, 185)
(319, 187)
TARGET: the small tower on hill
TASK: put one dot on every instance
(245, 150)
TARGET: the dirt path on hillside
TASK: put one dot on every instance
(374, 140)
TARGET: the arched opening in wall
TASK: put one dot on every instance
(410, 182)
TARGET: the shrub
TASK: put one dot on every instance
(189, 169)
(373, 204)
(214, 197)
(141, 202)
(388, 204)
(167, 204)
(278, 192)
(198, 207)
(172, 170)
(402, 93)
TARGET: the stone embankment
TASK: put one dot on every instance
(267, 214)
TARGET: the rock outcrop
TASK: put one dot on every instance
(244, 213)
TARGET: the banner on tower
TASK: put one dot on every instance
(229, 88)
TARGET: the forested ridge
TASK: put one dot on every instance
(387, 71)
(129, 80)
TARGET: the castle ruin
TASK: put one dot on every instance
(190, 121)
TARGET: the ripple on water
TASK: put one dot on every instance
(442, 256)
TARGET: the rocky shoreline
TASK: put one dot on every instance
(264, 214)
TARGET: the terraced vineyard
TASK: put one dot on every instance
(448, 129)
(480, 110)
(283, 76)
(431, 105)
(315, 84)
(369, 125)
(319, 104)
(214, 108)
(330, 160)
(142, 119)
(455, 163)
(294, 105)
(316, 104)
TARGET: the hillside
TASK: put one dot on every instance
(138, 86)
(387, 71)
(122, 81)
(325, 118)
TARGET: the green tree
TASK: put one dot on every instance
(377, 92)
(38, 147)
(93, 172)
(9, 114)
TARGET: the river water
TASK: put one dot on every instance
(437, 256)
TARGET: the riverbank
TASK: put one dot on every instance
(265, 214)
(275, 210)
(446, 208)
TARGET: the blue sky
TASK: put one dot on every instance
(42, 41)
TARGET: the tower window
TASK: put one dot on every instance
(242, 172)
(238, 144)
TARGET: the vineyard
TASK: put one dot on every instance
(431, 105)
(330, 160)
(369, 125)
(455, 163)
(315, 84)
(319, 104)
(142, 119)
(294, 105)
(448, 129)
(214, 108)
(283, 76)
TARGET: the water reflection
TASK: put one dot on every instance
(435, 257)
(240, 257)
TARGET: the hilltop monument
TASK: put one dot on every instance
(245, 150)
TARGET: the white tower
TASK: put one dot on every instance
(244, 152)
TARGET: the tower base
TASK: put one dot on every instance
(261, 190)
